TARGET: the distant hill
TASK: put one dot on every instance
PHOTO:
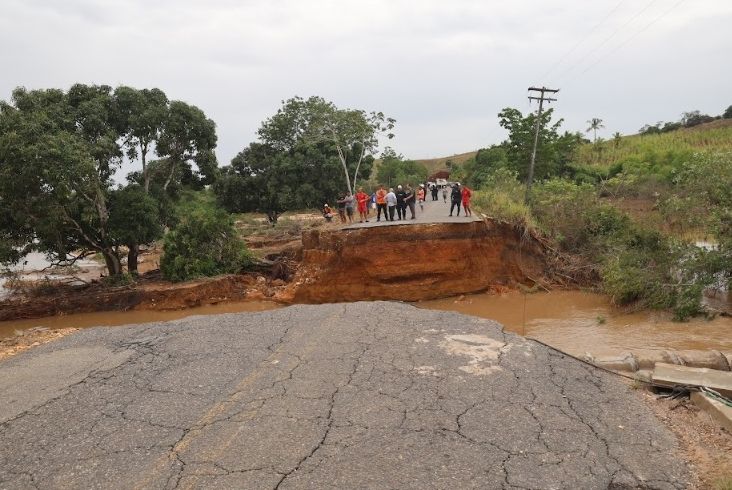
(715, 135)
(436, 164)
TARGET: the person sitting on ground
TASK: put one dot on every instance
(466, 194)
(327, 213)
(381, 204)
(456, 197)
(391, 202)
(362, 200)
(409, 201)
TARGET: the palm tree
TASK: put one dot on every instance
(617, 137)
(595, 124)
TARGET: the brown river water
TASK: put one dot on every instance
(578, 322)
(572, 321)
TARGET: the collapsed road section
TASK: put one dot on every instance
(414, 262)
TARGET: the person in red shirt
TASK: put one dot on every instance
(467, 194)
(362, 199)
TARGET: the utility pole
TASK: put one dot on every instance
(541, 99)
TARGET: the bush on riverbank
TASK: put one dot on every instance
(631, 261)
(204, 243)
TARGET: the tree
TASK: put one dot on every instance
(394, 169)
(694, 118)
(56, 161)
(595, 124)
(144, 112)
(261, 178)
(205, 243)
(728, 113)
(554, 152)
(617, 139)
(134, 219)
(187, 137)
(315, 120)
(58, 154)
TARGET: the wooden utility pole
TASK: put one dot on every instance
(541, 99)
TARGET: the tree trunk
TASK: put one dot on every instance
(145, 173)
(355, 174)
(114, 266)
(134, 251)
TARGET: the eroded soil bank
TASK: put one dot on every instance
(403, 263)
(414, 262)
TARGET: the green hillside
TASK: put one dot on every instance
(716, 135)
(436, 164)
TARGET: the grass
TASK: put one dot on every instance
(716, 135)
(723, 483)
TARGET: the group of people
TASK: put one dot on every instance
(394, 203)
(459, 195)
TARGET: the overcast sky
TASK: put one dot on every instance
(443, 69)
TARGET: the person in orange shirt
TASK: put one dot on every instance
(362, 200)
(381, 203)
(467, 194)
(420, 196)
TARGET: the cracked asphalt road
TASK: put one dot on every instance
(358, 395)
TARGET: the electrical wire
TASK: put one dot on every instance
(582, 40)
(624, 43)
(632, 19)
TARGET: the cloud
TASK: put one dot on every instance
(442, 69)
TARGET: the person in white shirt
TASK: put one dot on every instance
(391, 202)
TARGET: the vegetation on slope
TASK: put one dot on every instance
(577, 202)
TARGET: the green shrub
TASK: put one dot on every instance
(502, 196)
(204, 243)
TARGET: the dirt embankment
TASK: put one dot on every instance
(411, 263)
(148, 294)
(406, 263)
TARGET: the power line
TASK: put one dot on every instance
(624, 43)
(589, 33)
(606, 40)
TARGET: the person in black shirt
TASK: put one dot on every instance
(455, 197)
(409, 200)
(401, 204)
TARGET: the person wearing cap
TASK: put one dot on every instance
(327, 213)
(456, 196)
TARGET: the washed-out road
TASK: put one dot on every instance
(360, 395)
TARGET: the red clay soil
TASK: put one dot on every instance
(405, 263)
(146, 295)
(413, 262)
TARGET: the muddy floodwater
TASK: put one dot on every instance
(108, 318)
(577, 322)
(572, 321)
